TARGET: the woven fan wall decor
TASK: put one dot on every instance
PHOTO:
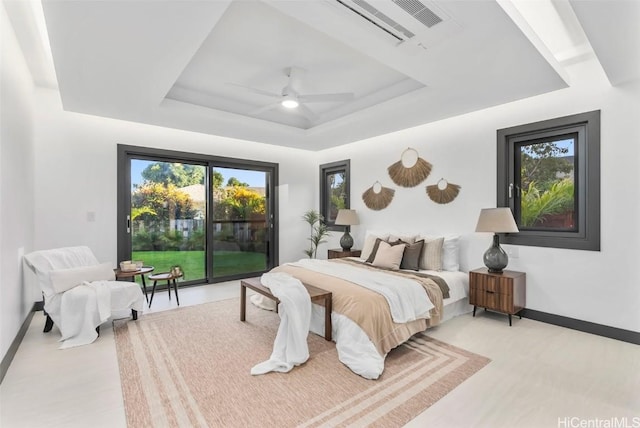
(410, 170)
(378, 197)
(443, 192)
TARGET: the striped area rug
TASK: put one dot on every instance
(190, 367)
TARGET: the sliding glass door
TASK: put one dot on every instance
(213, 217)
(168, 215)
(240, 221)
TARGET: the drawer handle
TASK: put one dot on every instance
(488, 291)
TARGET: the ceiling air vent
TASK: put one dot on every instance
(379, 19)
(419, 11)
(387, 14)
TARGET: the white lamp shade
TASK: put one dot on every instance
(496, 220)
(347, 218)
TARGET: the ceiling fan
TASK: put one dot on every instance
(290, 98)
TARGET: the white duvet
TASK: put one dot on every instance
(354, 347)
(406, 298)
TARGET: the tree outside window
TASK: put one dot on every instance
(334, 191)
(549, 175)
(547, 184)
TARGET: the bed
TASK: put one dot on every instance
(402, 284)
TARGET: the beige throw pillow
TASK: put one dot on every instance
(431, 258)
(369, 243)
(450, 256)
(372, 256)
(389, 256)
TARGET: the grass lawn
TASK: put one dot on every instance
(192, 262)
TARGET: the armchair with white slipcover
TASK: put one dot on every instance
(80, 293)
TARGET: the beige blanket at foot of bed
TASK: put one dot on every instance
(369, 309)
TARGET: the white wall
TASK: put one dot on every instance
(601, 287)
(76, 172)
(16, 184)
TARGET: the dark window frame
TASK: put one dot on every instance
(326, 170)
(587, 128)
(126, 152)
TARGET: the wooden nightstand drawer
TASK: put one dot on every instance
(494, 301)
(494, 284)
(503, 292)
(337, 253)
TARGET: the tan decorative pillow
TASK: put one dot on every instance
(389, 256)
(369, 243)
(450, 251)
(431, 258)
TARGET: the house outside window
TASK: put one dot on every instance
(549, 175)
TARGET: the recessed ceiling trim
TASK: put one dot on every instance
(119, 65)
(512, 11)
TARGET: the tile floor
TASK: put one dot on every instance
(540, 376)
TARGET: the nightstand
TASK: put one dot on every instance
(501, 292)
(337, 253)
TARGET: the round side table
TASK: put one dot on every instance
(126, 274)
(165, 276)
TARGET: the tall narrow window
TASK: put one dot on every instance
(334, 191)
(549, 174)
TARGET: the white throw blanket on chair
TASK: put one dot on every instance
(290, 348)
(79, 310)
(82, 309)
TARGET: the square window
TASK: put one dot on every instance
(549, 175)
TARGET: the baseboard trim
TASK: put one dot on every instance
(11, 352)
(584, 326)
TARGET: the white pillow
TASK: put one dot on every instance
(450, 252)
(65, 279)
(389, 256)
(369, 242)
(431, 258)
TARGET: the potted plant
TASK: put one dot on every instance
(176, 270)
(318, 231)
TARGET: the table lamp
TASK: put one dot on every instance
(496, 220)
(346, 218)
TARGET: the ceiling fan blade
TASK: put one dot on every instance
(263, 109)
(325, 98)
(254, 90)
(306, 112)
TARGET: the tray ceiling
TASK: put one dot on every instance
(207, 66)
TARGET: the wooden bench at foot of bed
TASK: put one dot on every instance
(318, 295)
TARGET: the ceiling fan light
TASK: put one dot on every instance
(290, 103)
